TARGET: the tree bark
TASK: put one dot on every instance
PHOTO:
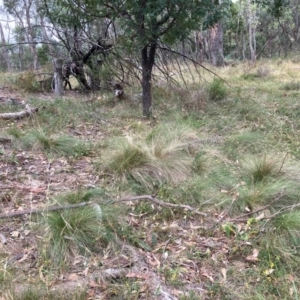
(19, 115)
(58, 76)
(251, 31)
(5, 49)
(30, 33)
(147, 66)
(216, 45)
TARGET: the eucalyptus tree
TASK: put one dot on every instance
(23, 12)
(144, 25)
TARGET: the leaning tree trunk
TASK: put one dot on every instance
(216, 54)
(147, 66)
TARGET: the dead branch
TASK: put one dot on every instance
(81, 204)
(19, 115)
(42, 210)
(242, 217)
(161, 203)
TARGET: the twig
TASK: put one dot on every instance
(81, 204)
(258, 210)
(161, 203)
(282, 163)
(42, 210)
(223, 217)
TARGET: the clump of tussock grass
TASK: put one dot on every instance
(27, 81)
(56, 145)
(275, 194)
(217, 90)
(196, 100)
(72, 230)
(260, 168)
(250, 76)
(161, 157)
(291, 86)
(15, 132)
(283, 232)
(79, 230)
(263, 72)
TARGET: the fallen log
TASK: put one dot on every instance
(20, 114)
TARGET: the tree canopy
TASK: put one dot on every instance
(144, 24)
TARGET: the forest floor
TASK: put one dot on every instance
(205, 222)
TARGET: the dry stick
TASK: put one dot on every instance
(240, 218)
(70, 206)
(42, 210)
(161, 203)
(282, 163)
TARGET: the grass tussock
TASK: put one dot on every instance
(260, 168)
(80, 230)
(196, 100)
(263, 72)
(161, 157)
(60, 145)
(291, 86)
(217, 90)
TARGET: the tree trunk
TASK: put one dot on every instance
(147, 66)
(5, 49)
(30, 34)
(251, 31)
(58, 76)
(216, 45)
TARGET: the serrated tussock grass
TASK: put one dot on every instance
(217, 90)
(72, 230)
(161, 157)
(80, 230)
(262, 167)
(59, 145)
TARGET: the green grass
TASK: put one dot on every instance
(161, 157)
(55, 145)
(231, 151)
(80, 230)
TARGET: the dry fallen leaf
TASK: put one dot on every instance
(224, 273)
(137, 275)
(269, 272)
(254, 256)
(26, 232)
(260, 217)
(73, 277)
(15, 234)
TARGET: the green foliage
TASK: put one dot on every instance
(15, 132)
(217, 90)
(291, 86)
(43, 54)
